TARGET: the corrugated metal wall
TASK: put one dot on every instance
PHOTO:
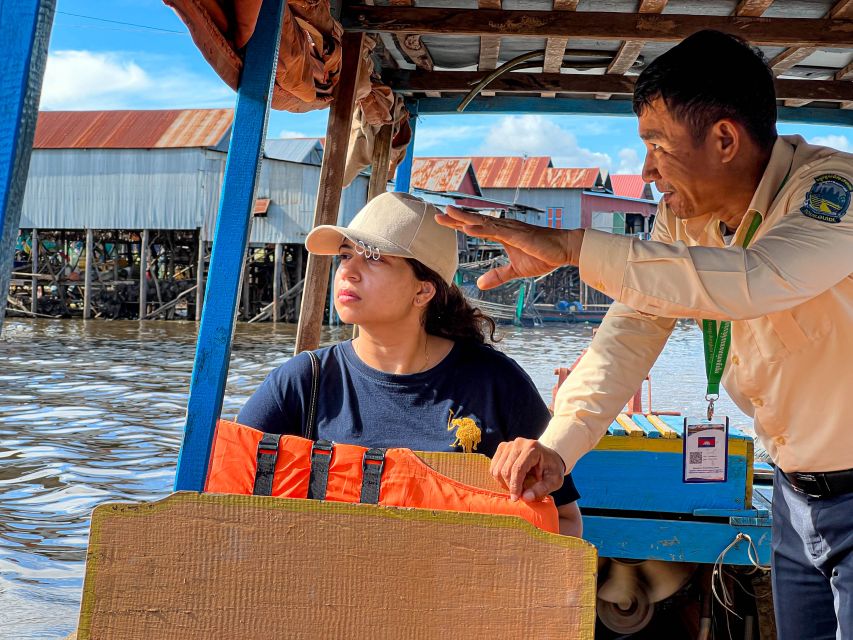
(167, 189)
(568, 199)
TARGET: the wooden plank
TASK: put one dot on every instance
(381, 160)
(230, 239)
(461, 82)
(630, 50)
(276, 282)
(846, 73)
(665, 430)
(643, 422)
(791, 57)
(555, 48)
(329, 191)
(143, 270)
(824, 32)
(490, 48)
(752, 8)
(227, 566)
(403, 178)
(24, 32)
(87, 274)
(34, 260)
(631, 429)
(673, 540)
(795, 103)
(676, 423)
(467, 468)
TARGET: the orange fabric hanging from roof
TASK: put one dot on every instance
(406, 480)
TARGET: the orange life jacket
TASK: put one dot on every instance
(248, 461)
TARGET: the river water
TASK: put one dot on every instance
(93, 412)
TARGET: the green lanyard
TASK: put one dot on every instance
(717, 337)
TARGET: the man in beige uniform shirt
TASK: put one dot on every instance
(708, 123)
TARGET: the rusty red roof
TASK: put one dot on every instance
(509, 172)
(439, 174)
(171, 128)
(630, 186)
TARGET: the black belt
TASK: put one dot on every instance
(821, 485)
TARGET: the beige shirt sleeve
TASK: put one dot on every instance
(796, 260)
(618, 359)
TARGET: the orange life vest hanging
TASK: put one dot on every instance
(248, 461)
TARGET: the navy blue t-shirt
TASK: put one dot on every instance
(472, 400)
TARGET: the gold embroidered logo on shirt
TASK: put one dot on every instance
(468, 434)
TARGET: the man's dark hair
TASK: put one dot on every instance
(710, 76)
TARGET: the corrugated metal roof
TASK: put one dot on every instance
(532, 173)
(172, 128)
(631, 186)
(303, 150)
(439, 174)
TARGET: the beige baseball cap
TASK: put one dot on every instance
(395, 224)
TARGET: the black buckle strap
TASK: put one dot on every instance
(267, 456)
(822, 485)
(371, 467)
(321, 458)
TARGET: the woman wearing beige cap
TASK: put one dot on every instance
(421, 373)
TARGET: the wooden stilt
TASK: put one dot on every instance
(199, 296)
(143, 281)
(246, 285)
(34, 256)
(87, 278)
(381, 158)
(276, 283)
(329, 192)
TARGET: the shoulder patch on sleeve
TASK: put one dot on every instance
(828, 198)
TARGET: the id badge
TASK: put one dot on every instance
(706, 449)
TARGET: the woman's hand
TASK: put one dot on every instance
(532, 250)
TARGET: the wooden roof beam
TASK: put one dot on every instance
(797, 32)
(752, 8)
(793, 56)
(414, 48)
(555, 48)
(630, 50)
(462, 81)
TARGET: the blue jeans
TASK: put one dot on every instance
(812, 564)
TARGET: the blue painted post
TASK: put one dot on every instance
(213, 350)
(25, 32)
(403, 182)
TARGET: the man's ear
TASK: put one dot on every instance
(726, 136)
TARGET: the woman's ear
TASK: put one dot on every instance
(425, 293)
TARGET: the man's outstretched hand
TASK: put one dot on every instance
(532, 250)
(528, 469)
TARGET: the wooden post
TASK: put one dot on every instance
(246, 285)
(329, 192)
(230, 241)
(276, 283)
(87, 277)
(34, 256)
(199, 292)
(24, 32)
(403, 181)
(381, 158)
(143, 270)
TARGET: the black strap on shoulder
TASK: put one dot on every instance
(267, 455)
(371, 466)
(311, 419)
(321, 458)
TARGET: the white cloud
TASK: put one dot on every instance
(629, 161)
(286, 133)
(836, 141)
(430, 137)
(536, 135)
(114, 80)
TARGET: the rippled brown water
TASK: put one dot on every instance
(92, 412)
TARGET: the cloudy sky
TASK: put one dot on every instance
(136, 54)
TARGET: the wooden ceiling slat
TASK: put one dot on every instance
(846, 73)
(412, 45)
(462, 81)
(752, 8)
(490, 46)
(630, 50)
(842, 10)
(796, 32)
(555, 48)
